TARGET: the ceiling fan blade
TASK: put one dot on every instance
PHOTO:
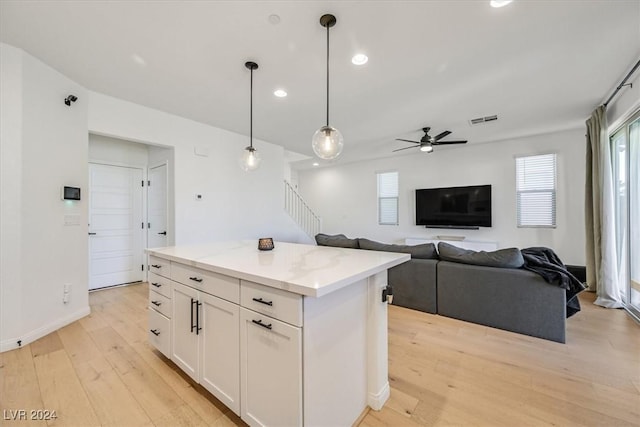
(400, 149)
(448, 142)
(441, 135)
(406, 140)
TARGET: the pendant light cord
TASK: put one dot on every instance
(251, 112)
(327, 75)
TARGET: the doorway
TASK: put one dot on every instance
(116, 221)
(157, 206)
(625, 146)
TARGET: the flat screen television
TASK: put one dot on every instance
(454, 207)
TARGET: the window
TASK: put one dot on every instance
(536, 191)
(388, 198)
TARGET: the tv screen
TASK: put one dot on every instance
(451, 207)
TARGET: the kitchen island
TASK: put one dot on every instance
(288, 337)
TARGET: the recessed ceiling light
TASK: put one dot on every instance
(280, 93)
(500, 3)
(138, 59)
(274, 19)
(316, 164)
(359, 59)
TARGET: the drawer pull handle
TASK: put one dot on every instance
(192, 325)
(155, 332)
(157, 285)
(156, 303)
(156, 266)
(195, 279)
(259, 323)
(261, 301)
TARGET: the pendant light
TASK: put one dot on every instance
(250, 159)
(327, 142)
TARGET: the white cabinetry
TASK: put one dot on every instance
(160, 310)
(271, 371)
(294, 337)
(206, 335)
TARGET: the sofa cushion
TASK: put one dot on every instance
(424, 251)
(503, 258)
(338, 240)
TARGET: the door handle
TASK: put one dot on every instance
(156, 303)
(155, 332)
(92, 234)
(164, 233)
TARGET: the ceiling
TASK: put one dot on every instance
(541, 66)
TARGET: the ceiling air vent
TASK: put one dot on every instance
(480, 120)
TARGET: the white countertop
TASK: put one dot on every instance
(303, 269)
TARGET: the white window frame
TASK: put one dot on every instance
(540, 190)
(380, 198)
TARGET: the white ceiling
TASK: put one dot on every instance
(539, 65)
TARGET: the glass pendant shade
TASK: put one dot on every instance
(250, 159)
(327, 142)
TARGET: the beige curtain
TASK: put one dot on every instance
(602, 274)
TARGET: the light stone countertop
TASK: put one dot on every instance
(303, 269)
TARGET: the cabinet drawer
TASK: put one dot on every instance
(282, 305)
(160, 303)
(218, 285)
(160, 266)
(160, 332)
(160, 284)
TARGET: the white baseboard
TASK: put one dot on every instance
(377, 400)
(30, 337)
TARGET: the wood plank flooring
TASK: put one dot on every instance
(101, 371)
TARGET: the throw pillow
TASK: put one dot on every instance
(503, 258)
(338, 240)
(425, 251)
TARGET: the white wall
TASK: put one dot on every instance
(235, 204)
(44, 147)
(345, 196)
(117, 151)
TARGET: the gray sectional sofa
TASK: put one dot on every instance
(452, 284)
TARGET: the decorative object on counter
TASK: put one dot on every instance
(265, 244)
(327, 142)
(250, 159)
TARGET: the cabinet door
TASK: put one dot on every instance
(270, 371)
(184, 347)
(220, 350)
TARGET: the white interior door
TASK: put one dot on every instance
(157, 207)
(115, 225)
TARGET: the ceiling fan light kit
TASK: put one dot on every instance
(327, 142)
(250, 159)
(427, 142)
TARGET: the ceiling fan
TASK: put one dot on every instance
(427, 142)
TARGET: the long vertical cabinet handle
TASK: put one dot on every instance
(198, 328)
(192, 325)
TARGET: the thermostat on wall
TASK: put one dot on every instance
(70, 193)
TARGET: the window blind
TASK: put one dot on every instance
(388, 198)
(536, 190)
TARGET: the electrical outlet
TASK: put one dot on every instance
(65, 294)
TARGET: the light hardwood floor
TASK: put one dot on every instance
(101, 371)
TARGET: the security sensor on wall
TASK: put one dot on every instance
(69, 99)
